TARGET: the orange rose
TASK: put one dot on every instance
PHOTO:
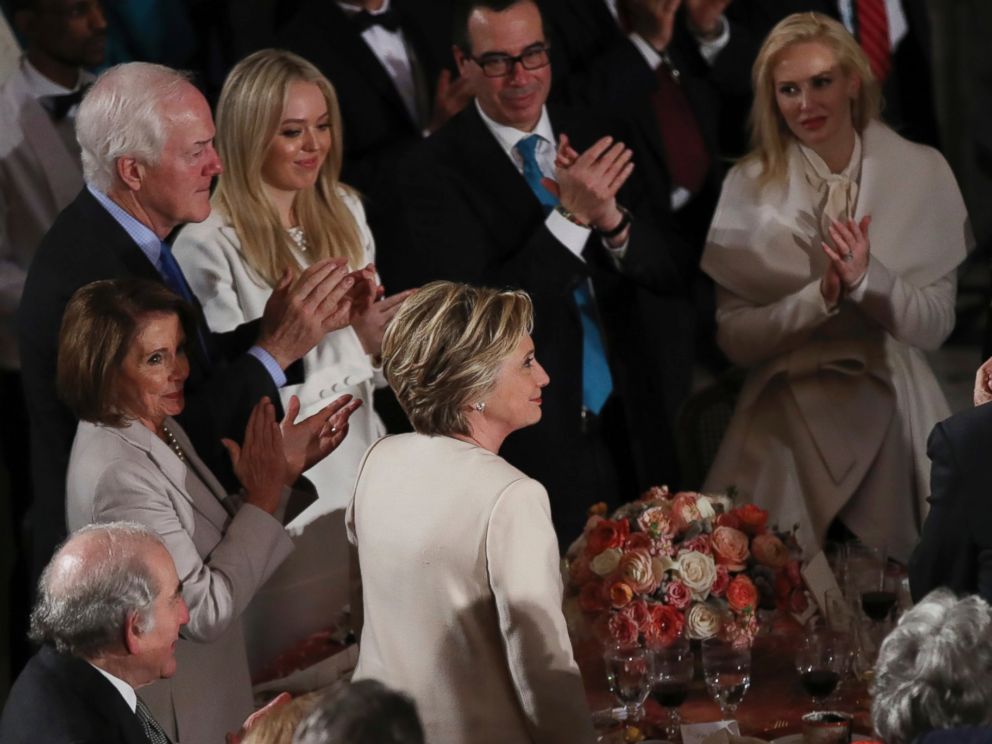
(742, 594)
(753, 518)
(769, 551)
(620, 594)
(664, 626)
(607, 534)
(729, 548)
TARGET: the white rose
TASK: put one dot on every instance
(606, 562)
(705, 506)
(661, 564)
(721, 500)
(697, 571)
(702, 621)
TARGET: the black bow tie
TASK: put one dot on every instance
(363, 20)
(58, 106)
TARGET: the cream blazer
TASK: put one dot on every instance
(39, 176)
(462, 594)
(224, 551)
(310, 589)
(836, 409)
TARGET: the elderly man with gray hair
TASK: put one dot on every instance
(932, 678)
(107, 617)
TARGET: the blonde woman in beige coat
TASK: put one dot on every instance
(834, 248)
(459, 561)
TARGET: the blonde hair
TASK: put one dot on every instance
(277, 727)
(770, 135)
(444, 349)
(248, 116)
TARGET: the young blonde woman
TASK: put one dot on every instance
(834, 248)
(277, 208)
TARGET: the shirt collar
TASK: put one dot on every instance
(147, 240)
(127, 692)
(508, 137)
(39, 85)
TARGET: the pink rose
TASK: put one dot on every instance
(677, 595)
(638, 612)
(656, 522)
(721, 582)
(637, 569)
(730, 548)
(700, 543)
(769, 551)
(684, 511)
(623, 630)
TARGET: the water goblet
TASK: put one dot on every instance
(821, 660)
(628, 674)
(727, 671)
(673, 670)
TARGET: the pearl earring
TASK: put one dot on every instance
(480, 406)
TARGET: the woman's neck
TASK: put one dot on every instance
(837, 153)
(283, 201)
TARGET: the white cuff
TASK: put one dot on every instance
(569, 234)
(858, 293)
(710, 48)
(650, 54)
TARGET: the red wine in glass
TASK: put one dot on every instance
(878, 604)
(670, 693)
(819, 683)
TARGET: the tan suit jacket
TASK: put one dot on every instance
(462, 594)
(129, 473)
(39, 176)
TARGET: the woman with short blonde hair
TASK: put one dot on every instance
(834, 248)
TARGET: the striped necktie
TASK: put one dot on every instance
(152, 728)
(873, 35)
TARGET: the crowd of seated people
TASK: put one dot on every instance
(376, 332)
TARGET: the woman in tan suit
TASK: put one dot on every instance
(834, 248)
(121, 369)
(459, 561)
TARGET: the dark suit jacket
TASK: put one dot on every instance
(470, 216)
(63, 700)
(86, 244)
(955, 549)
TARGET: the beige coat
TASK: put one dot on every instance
(837, 405)
(310, 589)
(128, 473)
(463, 592)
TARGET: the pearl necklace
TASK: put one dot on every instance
(170, 439)
(296, 233)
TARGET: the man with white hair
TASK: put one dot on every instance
(146, 135)
(108, 616)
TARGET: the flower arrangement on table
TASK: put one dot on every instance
(686, 561)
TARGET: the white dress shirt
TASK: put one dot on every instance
(127, 692)
(41, 87)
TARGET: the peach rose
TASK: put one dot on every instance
(664, 626)
(702, 621)
(742, 594)
(620, 594)
(606, 562)
(637, 569)
(697, 571)
(684, 511)
(730, 548)
(677, 595)
(753, 518)
(607, 534)
(656, 522)
(623, 630)
(700, 543)
(769, 551)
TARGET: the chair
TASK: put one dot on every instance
(702, 422)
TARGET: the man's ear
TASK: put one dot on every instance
(460, 59)
(133, 635)
(130, 171)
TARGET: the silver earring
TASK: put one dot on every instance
(480, 406)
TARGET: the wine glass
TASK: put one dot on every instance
(628, 674)
(821, 661)
(727, 670)
(673, 670)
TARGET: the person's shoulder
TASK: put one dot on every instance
(194, 235)
(897, 149)
(972, 424)
(960, 735)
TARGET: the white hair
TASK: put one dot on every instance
(121, 115)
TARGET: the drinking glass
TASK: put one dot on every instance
(821, 660)
(673, 670)
(628, 673)
(727, 670)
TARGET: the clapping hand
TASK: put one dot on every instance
(852, 252)
(260, 462)
(589, 184)
(309, 441)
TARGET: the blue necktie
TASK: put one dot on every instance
(597, 382)
(173, 275)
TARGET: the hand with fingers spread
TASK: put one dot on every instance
(371, 324)
(307, 442)
(260, 461)
(300, 311)
(589, 185)
(652, 20)
(451, 97)
(852, 252)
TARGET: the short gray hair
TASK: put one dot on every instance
(933, 670)
(96, 579)
(363, 712)
(121, 116)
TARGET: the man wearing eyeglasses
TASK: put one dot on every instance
(514, 193)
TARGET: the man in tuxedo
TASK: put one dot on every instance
(484, 203)
(108, 615)
(39, 175)
(148, 159)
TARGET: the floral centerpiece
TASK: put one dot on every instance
(693, 562)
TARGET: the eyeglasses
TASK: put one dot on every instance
(501, 65)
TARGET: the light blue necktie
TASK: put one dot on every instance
(597, 382)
